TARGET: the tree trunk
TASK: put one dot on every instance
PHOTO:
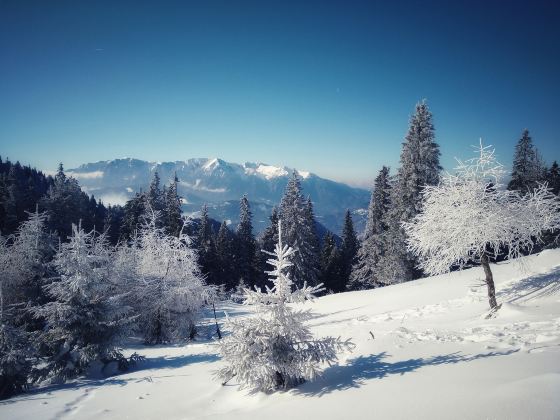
(489, 282)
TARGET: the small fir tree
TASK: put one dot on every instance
(274, 349)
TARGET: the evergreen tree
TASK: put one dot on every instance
(225, 257)
(419, 168)
(267, 242)
(371, 249)
(296, 215)
(348, 253)
(275, 349)
(154, 195)
(330, 273)
(245, 244)
(84, 320)
(133, 211)
(23, 258)
(172, 209)
(553, 178)
(528, 169)
(206, 247)
(113, 223)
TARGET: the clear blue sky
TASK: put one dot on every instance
(321, 86)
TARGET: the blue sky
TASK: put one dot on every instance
(321, 86)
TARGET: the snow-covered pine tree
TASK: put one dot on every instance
(274, 349)
(348, 252)
(470, 216)
(371, 249)
(296, 214)
(528, 169)
(22, 267)
(245, 244)
(164, 282)
(419, 166)
(85, 318)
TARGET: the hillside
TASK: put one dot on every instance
(434, 356)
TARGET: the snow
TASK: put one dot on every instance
(435, 355)
(268, 172)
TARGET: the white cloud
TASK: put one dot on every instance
(114, 198)
(198, 187)
(86, 175)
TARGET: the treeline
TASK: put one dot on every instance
(24, 189)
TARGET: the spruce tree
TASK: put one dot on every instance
(154, 195)
(296, 215)
(275, 348)
(419, 167)
(348, 252)
(245, 244)
(553, 178)
(266, 243)
(172, 209)
(330, 272)
(528, 169)
(84, 319)
(206, 247)
(371, 249)
(225, 257)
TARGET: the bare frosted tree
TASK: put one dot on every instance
(470, 217)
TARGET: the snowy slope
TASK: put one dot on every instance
(221, 184)
(434, 356)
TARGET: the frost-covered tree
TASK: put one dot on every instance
(296, 214)
(245, 244)
(470, 216)
(85, 318)
(528, 169)
(22, 267)
(372, 250)
(419, 166)
(274, 349)
(162, 276)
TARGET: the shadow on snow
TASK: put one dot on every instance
(537, 286)
(363, 368)
(122, 379)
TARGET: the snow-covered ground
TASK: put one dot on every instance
(434, 356)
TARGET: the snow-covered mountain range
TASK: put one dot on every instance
(221, 184)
